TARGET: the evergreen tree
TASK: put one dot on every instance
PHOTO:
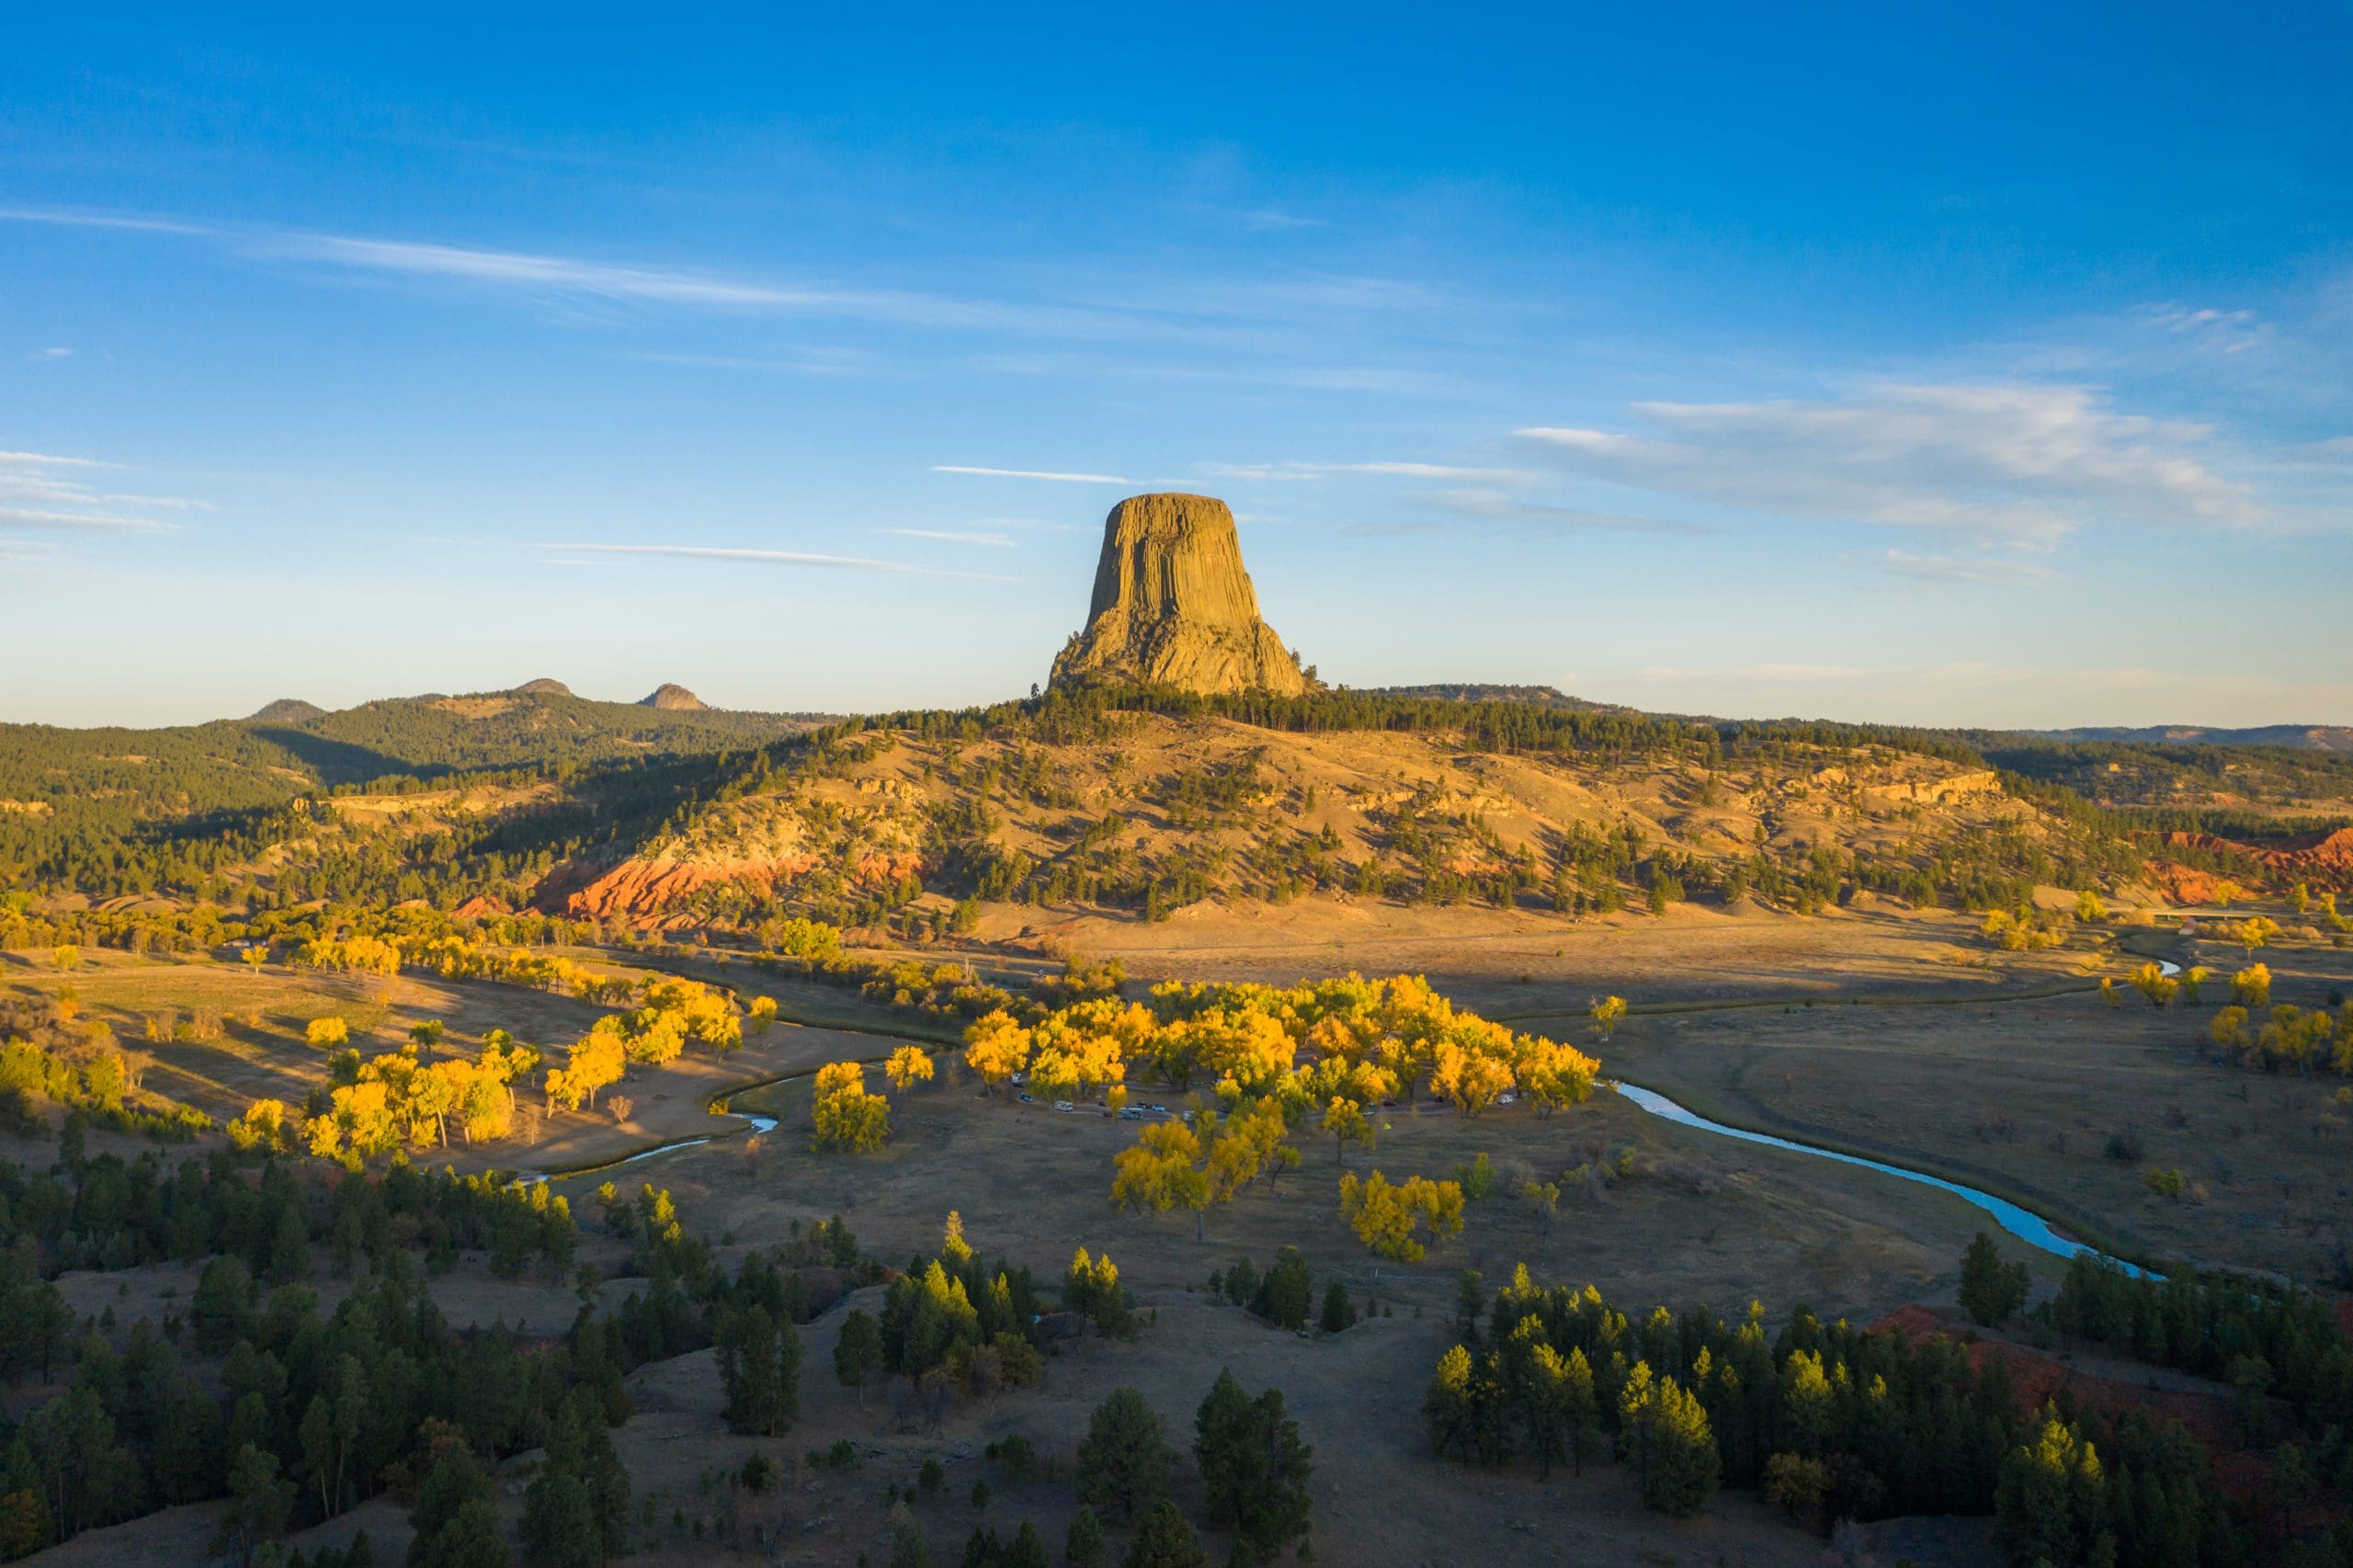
(1253, 1466)
(1166, 1540)
(576, 1511)
(2050, 1505)
(858, 1354)
(1027, 1549)
(559, 1525)
(1991, 1291)
(759, 1368)
(1536, 1387)
(259, 1504)
(1447, 1413)
(1338, 1312)
(1084, 1546)
(1666, 1427)
(456, 1516)
(1285, 1293)
(907, 1548)
(1123, 1460)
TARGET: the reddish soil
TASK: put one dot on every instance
(643, 888)
(2038, 1377)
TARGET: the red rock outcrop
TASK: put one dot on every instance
(655, 886)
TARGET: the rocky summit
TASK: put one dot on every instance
(1173, 606)
(671, 696)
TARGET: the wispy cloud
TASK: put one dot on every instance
(1294, 470)
(66, 218)
(1271, 219)
(46, 459)
(2226, 332)
(799, 361)
(1031, 474)
(51, 355)
(41, 490)
(1940, 569)
(944, 536)
(1495, 506)
(777, 558)
(1139, 310)
(2023, 463)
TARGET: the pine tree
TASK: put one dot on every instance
(1991, 1291)
(759, 1369)
(1254, 1467)
(259, 1504)
(1673, 1448)
(1536, 1387)
(1084, 1546)
(577, 1512)
(858, 1354)
(1123, 1460)
(1027, 1549)
(456, 1516)
(1339, 1314)
(1166, 1540)
(1446, 1411)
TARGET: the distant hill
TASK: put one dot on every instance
(673, 698)
(2304, 737)
(543, 686)
(429, 735)
(117, 811)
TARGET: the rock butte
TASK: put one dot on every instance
(1173, 606)
(671, 694)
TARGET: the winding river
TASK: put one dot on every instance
(2024, 1223)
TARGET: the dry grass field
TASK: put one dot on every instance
(1879, 1031)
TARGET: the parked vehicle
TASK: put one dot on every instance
(1027, 1100)
(1064, 1105)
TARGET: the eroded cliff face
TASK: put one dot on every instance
(1174, 607)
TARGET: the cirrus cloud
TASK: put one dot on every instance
(2019, 464)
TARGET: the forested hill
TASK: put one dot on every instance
(2304, 737)
(1139, 796)
(426, 737)
(243, 761)
(112, 811)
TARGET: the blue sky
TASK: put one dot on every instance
(1994, 367)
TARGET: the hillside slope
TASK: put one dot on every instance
(1160, 810)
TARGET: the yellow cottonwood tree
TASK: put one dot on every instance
(1161, 1171)
(847, 1117)
(1387, 1216)
(995, 1048)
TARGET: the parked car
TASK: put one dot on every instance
(1027, 1100)
(1064, 1105)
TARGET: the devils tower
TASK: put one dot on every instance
(1173, 606)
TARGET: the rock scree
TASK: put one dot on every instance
(1173, 607)
(673, 695)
